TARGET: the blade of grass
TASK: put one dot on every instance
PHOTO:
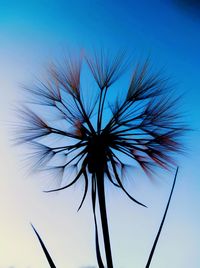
(162, 223)
(48, 257)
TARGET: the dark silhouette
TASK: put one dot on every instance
(162, 223)
(48, 257)
(144, 125)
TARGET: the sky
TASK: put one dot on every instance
(32, 33)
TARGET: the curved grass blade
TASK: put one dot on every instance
(162, 223)
(48, 257)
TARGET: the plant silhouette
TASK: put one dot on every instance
(162, 223)
(94, 138)
(52, 265)
(47, 255)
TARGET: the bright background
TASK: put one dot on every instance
(32, 33)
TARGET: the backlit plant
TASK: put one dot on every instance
(95, 136)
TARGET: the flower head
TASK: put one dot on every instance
(144, 125)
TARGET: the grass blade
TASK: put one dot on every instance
(48, 257)
(162, 223)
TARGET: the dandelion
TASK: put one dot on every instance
(143, 125)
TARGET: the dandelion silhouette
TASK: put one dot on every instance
(144, 125)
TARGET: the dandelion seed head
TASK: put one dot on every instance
(145, 126)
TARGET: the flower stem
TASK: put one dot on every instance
(104, 221)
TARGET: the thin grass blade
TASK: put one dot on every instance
(48, 257)
(162, 223)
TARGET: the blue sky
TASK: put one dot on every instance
(32, 33)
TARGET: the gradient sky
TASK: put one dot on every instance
(32, 33)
